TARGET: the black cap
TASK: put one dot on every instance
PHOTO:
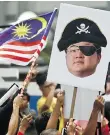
(80, 30)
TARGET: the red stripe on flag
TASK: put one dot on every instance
(18, 43)
(41, 44)
(38, 51)
(15, 57)
(44, 37)
(18, 51)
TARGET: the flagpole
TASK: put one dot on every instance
(29, 75)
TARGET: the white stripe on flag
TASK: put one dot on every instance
(21, 48)
(17, 62)
(17, 54)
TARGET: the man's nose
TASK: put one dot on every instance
(79, 54)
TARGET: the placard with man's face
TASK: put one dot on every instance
(80, 53)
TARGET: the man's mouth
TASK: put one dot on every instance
(78, 62)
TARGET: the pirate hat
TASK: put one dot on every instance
(79, 30)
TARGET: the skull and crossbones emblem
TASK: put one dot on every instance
(82, 28)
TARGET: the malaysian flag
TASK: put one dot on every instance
(19, 43)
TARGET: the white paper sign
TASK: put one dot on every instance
(83, 104)
(58, 71)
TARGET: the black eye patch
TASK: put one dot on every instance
(87, 50)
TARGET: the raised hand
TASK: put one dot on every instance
(60, 97)
(71, 127)
(18, 101)
(99, 103)
(79, 130)
(25, 122)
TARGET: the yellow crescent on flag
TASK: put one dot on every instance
(44, 25)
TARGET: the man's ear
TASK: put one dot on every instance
(98, 57)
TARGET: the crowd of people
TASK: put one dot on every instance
(16, 118)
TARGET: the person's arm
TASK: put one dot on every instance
(13, 124)
(8, 107)
(52, 123)
(48, 101)
(24, 124)
(92, 124)
(104, 126)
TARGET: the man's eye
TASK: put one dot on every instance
(72, 50)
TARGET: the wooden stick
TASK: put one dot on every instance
(28, 76)
(73, 102)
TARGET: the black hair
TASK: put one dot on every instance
(99, 51)
(107, 76)
(107, 111)
(108, 69)
(41, 121)
(27, 95)
(58, 86)
(41, 78)
(49, 132)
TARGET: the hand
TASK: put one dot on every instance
(57, 91)
(99, 104)
(71, 127)
(53, 86)
(79, 130)
(18, 101)
(25, 122)
(104, 121)
(34, 70)
(60, 97)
